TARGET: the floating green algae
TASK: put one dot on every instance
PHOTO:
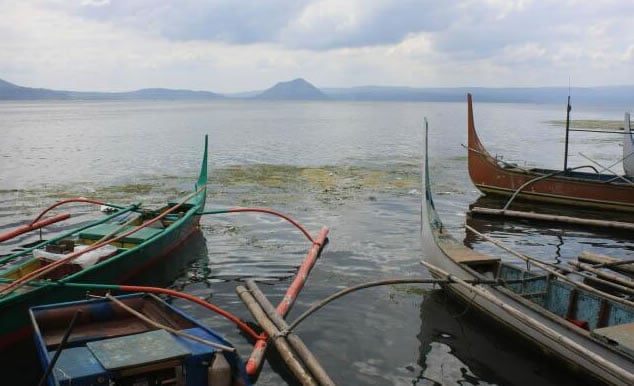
(590, 124)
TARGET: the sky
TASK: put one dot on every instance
(231, 46)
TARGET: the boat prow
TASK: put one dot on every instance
(586, 329)
(566, 187)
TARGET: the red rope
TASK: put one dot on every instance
(269, 211)
(243, 326)
(79, 199)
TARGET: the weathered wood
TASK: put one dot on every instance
(287, 354)
(553, 218)
(607, 262)
(296, 343)
(627, 285)
(552, 270)
(530, 322)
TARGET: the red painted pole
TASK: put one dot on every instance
(259, 349)
(32, 226)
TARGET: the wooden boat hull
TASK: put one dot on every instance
(552, 334)
(117, 269)
(582, 189)
(131, 339)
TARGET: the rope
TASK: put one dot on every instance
(264, 210)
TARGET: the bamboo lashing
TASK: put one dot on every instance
(291, 360)
(294, 341)
(259, 349)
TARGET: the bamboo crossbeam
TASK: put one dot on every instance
(550, 269)
(627, 286)
(259, 349)
(294, 364)
(295, 342)
(554, 218)
(593, 258)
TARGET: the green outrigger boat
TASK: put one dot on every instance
(112, 250)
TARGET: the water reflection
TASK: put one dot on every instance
(459, 346)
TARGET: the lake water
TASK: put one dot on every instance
(353, 167)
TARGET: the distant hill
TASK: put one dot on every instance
(297, 89)
(300, 89)
(10, 91)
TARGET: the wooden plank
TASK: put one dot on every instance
(595, 258)
(622, 334)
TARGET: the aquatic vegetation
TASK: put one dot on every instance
(594, 124)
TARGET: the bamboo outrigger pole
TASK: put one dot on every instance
(259, 349)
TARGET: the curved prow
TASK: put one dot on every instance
(472, 137)
(429, 217)
(628, 147)
(202, 177)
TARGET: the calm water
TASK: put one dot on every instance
(352, 167)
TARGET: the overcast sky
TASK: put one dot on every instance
(242, 45)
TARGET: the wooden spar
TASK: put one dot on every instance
(627, 286)
(593, 258)
(554, 272)
(532, 323)
(48, 268)
(279, 341)
(259, 348)
(158, 325)
(33, 226)
(295, 342)
(553, 218)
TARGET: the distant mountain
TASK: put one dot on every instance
(10, 91)
(300, 89)
(297, 89)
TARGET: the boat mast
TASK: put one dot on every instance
(568, 108)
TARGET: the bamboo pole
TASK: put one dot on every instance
(594, 258)
(626, 286)
(557, 338)
(554, 218)
(33, 226)
(71, 256)
(259, 349)
(294, 364)
(158, 325)
(551, 270)
(295, 342)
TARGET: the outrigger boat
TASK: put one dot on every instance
(111, 250)
(135, 339)
(568, 186)
(588, 329)
(628, 147)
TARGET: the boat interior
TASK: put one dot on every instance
(606, 319)
(37, 255)
(104, 320)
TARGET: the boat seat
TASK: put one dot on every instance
(96, 233)
(621, 336)
(468, 256)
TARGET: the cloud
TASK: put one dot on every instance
(224, 46)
